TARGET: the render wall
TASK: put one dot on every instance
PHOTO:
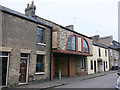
(96, 57)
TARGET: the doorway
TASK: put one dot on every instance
(4, 62)
(94, 66)
(104, 66)
(23, 74)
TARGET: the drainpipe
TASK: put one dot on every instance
(51, 54)
(119, 62)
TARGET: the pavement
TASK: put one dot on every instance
(63, 81)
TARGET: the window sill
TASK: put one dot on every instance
(39, 73)
(42, 44)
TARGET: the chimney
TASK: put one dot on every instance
(96, 38)
(30, 10)
(70, 27)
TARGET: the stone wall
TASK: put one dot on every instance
(62, 38)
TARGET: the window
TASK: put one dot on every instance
(115, 53)
(40, 35)
(40, 63)
(79, 44)
(83, 63)
(99, 53)
(106, 64)
(85, 46)
(111, 51)
(71, 43)
(105, 52)
(91, 65)
(3, 54)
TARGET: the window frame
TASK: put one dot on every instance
(43, 63)
(99, 52)
(82, 64)
(105, 52)
(43, 35)
(106, 65)
(91, 65)
(71, 42)
(87, 46)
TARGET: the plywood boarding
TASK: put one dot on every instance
(54, 40)
(72, 66)
(63, 66)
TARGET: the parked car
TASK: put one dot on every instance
(118, 81)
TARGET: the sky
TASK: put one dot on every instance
(89, 17)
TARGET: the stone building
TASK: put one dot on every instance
(70, 50)
(25, 51)
(99, 62)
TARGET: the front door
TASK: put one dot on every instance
(104, 65)
(3, 72)
(23, 70)
(95, 66)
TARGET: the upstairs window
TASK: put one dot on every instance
(99, 53)
(71, 43)
(111, 52)
(85, 46)
(105, 52)
(40, 35)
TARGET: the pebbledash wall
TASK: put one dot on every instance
(96, 63)
(19, 35)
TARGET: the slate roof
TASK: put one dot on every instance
(7, 10)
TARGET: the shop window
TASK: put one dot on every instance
(40, 35)
(91, 65)
(71, 43)
(85, 46)
(83, 63)
(40, 63)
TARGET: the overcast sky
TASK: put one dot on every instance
(89, 17)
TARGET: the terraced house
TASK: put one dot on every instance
(26, 47)
(99, 62)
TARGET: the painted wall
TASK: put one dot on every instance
(96, 57)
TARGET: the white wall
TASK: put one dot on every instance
(95, 58)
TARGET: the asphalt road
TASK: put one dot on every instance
(107, 81)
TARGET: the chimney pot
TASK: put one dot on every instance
(32, 3)
(27, 5)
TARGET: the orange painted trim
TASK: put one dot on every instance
(71, 52)
(76, 43)
(52, 67)
(54, 30)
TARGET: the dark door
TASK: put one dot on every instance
(23, 70)
(104, 65)
(3, 72)
(95, 66)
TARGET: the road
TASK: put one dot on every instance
(107, 81)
